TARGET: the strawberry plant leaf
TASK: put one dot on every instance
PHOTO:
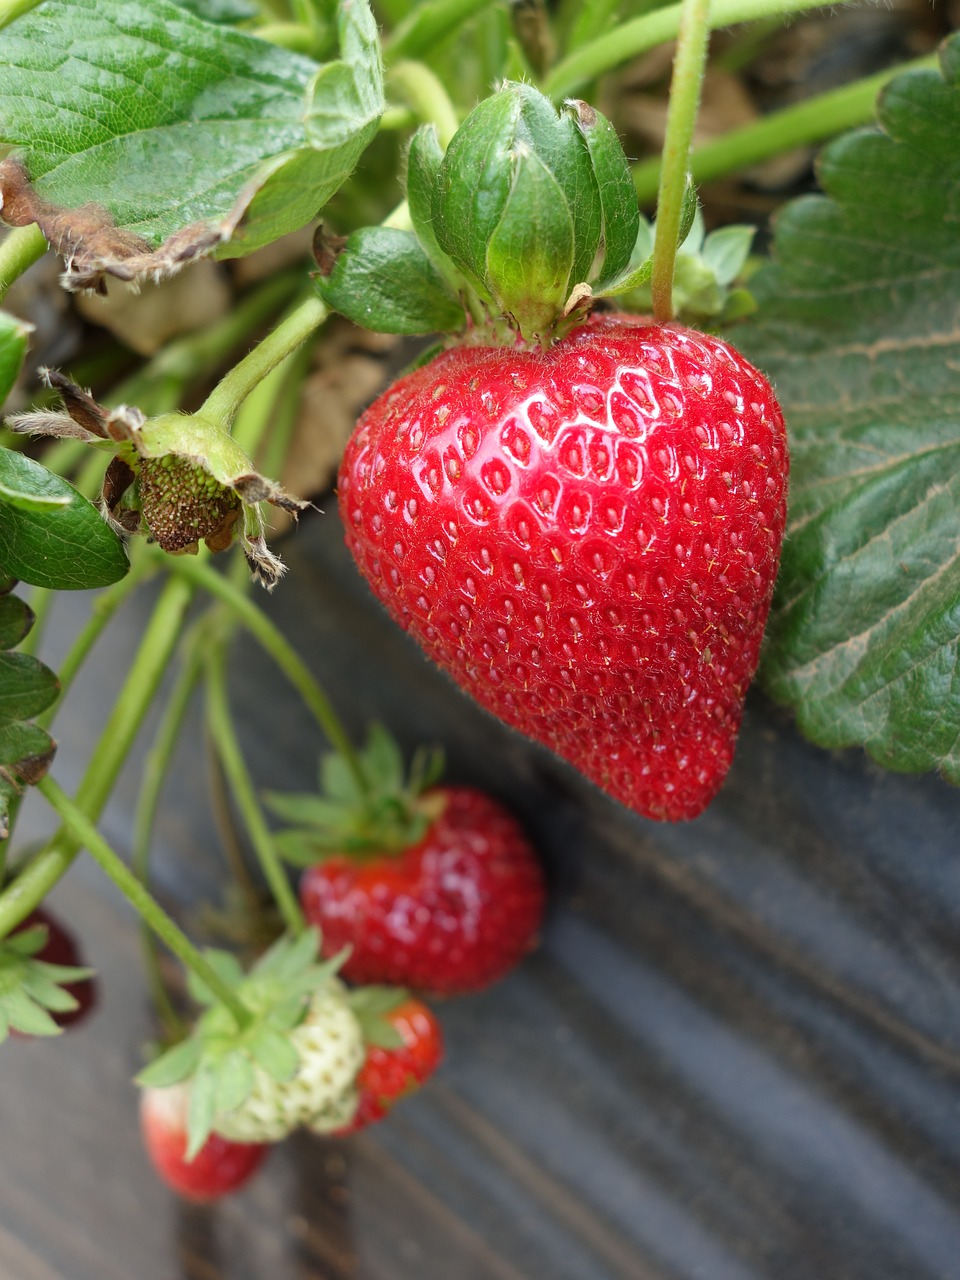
(202, 1108)
(187, 133)
(178, 1063)
(13, 348)
(27, 687)
(275, 1054)
(235, 1079)
(858, 332)
(16, 619)
(50, 534)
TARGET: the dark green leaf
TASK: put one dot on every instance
(383, 280)
(178, 1063)
(171, 122)
(50, 535)
(27, 687)
(13, 348)
(858, 331)
(16, 619)
(21, 742)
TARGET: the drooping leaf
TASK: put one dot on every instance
(858, 330)
(50, 534)
(187, 133)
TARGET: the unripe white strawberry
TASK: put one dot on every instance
(330, 1044)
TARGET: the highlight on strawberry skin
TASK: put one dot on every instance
(219, 1167)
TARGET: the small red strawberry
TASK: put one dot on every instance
(44, 986)
(450, 914)
(219, 1167)
(390, 1074)
(578, 517)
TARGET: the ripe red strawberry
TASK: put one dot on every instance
(387, 1075)
(586, 538)
(450, 913)
(219, 1167)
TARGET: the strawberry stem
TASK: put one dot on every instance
(801, 125)
(22, 247)
(688, 68)
(87, 836)
(224, 401)
(275, 643)
(630, 39)
(224, 738)
(423, 92)
(45, 868)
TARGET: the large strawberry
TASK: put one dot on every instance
(435, 888)
(578, 517)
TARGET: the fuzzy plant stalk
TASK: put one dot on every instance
(688, 67)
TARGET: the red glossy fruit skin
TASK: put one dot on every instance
(61, 948)
(586, 539)
(219, 1167)
(387, 1075)
(448, 915)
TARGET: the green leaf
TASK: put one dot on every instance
(726, 251)
(178, 126)
(424, 159)
(16, 619)
(24, 1015)
(303, 808)
(227, 967)
(372, 1004)
(383, 280)
(858, 330)
(27, 687)
(13, 348)
(202, 1108)
(221, 10)
(275, 1054)
(50, 535)
(383, 761)
(235, 1079)
(177, 1064)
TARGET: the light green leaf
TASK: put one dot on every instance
(179, 127)
(177, 1064)
(858, 329)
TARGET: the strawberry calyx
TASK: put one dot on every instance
(32, 991)
(220, 1059)
(180, 478)
(385, 810)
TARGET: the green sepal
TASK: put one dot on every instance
(387, 814)
(530, 255)
(618, 195)
(371, 1005)
(227, 967)
(30, 987)
(172, 1067)
(235, 1080)
(13, 348)
(275, 1054)
(424, 158)
(384, 280)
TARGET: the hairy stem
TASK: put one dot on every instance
(87, 836)
(688, 68)
(24, 246)
(44, 869)
(223, 735)
(199, 574)
(227, 396)
(423, 92)
(629, 39)
(801, 125)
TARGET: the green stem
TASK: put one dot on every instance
(255, 416)
(45, 868)
(427, 24)
(801, 125)
(288, 35)
(224, 738)
(199, 574)
(21, 248)
(227, 396)
(85, 834)
(102, 610)
(630, 39)
(155, 769)
(689, 65)
(424, 93)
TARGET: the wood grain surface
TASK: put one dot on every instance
(735, 1056)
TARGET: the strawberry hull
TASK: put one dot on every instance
(586, 539)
